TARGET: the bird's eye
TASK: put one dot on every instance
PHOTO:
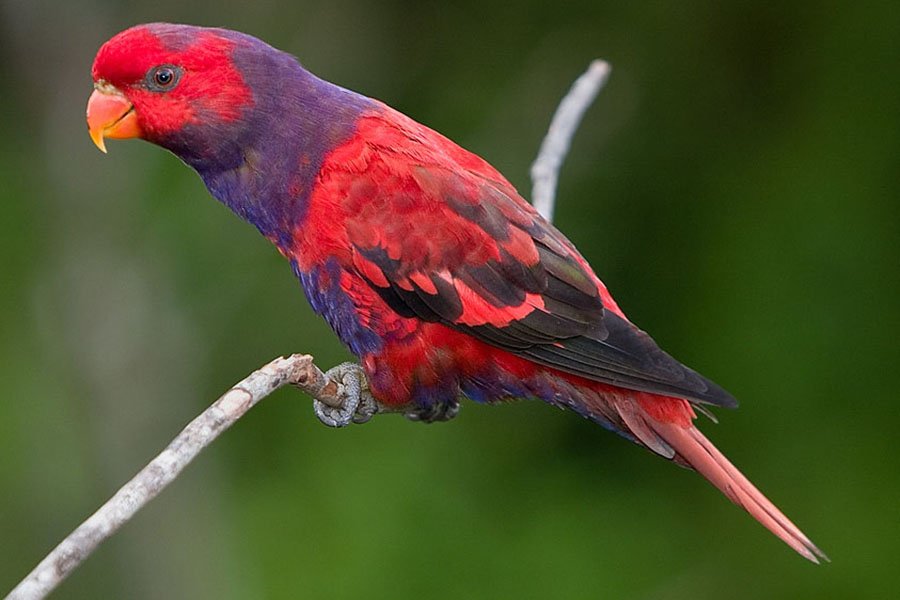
(164, 78)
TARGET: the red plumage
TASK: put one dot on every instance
(423, 258)
(388, 188)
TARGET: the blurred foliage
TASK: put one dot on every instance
(736, 186)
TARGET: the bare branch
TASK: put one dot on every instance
(297, 370)
(545, 169)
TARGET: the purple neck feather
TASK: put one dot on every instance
(264, 165)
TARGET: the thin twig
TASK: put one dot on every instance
(298, 370)
(545, 168)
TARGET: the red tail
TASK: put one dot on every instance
(697, 451)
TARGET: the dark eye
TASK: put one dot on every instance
(164, 78)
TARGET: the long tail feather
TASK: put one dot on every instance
(693, 447)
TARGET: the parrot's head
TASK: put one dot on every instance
(182, 87)
(247, 117)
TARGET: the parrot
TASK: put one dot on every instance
(425, 261)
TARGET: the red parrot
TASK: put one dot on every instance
(422, 257)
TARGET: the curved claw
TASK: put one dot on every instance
(358, 405)
(440, 411)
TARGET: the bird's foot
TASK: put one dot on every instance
(439, 411)
(357, 404)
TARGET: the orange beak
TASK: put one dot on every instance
(111, 115)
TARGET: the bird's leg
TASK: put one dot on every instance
(357, 404)
(439, 411)
(350, 400)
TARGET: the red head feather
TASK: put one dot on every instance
(208, 84)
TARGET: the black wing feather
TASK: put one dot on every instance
(573, 333)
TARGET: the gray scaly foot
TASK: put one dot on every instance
(358, 405)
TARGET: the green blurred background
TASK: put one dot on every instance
(736, 186)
